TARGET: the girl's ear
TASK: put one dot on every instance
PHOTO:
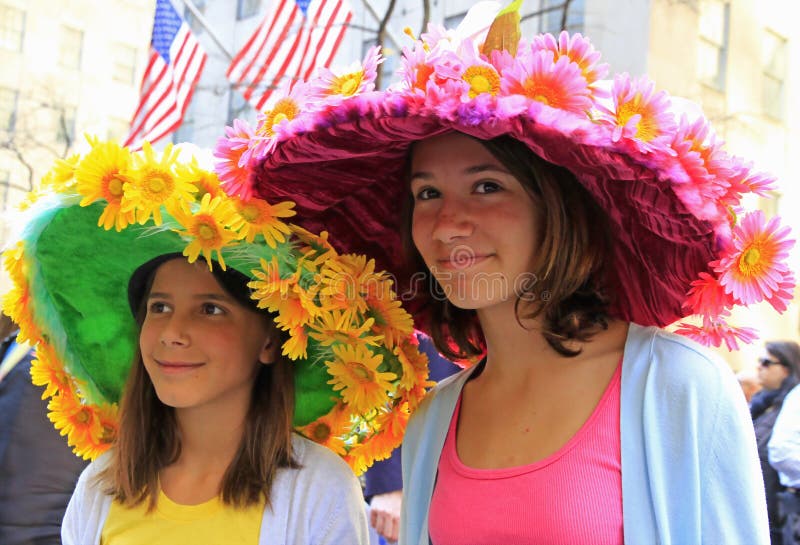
(269, 351)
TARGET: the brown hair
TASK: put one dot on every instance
(573, 288)
(148, 438)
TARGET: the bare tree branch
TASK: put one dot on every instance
(564, 14)
(382, 36)
(426, 15)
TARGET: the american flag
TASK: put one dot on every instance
(174, 66)
(294, 38)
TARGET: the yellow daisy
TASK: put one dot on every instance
(209, 229)
(314, 248)
(204, 181)
(298, 308)
(155, 183)
(356, 376)
(102, 175)
(47, 371)
(269, 289)
(16, 301)
(329, 429)
(95, 446)
(296, 346)
(334, 326)
(345, 281)
(391, 320)
(415, 365)
(77, 421)
(61, 177)
(258, 217)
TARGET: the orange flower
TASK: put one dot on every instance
(328, 430)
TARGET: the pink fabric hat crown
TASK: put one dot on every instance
(683, 243)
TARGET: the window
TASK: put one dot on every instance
(69, 51)
(12, 28)
(8, 109)
(712, 50)
(774, 51)
(247, 8)
(65, 125)
(553, 14)
(5, 186)
(191, 20)
(124, 64)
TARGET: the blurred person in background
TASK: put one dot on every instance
(38, 471)
(750, 383)
(778, 372)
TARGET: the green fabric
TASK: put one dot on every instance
(83, 301)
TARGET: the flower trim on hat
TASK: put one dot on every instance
(362, 336)
(557, 82)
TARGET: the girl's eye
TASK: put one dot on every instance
(487, 187)
(157, 307)
(427, 193)
(212, 309)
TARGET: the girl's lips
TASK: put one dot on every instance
(172, 367)
(461, 264)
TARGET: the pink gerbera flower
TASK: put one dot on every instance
(417, 67)
(235, 150)
(356, 79)
(707, 297)
(577, 49)
(715, 331)
(755, 267)
(640, 116)
(479, 75)
(556, 83)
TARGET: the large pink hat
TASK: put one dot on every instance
(683, 243)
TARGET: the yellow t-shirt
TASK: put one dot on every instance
(209, 523)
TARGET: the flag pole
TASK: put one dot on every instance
(388, 32)
(204, 23)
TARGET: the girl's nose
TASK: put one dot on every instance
(175, 333)
(453, 222)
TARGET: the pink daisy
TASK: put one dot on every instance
(417, 67)
(640, 116)
(556, 83)
(715, 332)
(754, 268)
(707, 297)
(234, 167)
(356, 79)
(577, 49)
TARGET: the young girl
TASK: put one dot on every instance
(228, 359)
(555, 224)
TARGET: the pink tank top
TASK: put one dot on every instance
(572, 496)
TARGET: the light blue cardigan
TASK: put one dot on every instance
(690, 470)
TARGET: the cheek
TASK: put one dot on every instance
(420, 232)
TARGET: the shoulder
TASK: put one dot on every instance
(319, 465)
(674, 358)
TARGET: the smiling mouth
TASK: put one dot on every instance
(461, 263)
(177, 366)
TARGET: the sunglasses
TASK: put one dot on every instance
(766, 362)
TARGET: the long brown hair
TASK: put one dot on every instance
(149, 440)
(572, 292)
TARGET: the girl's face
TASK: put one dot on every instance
(473, 223)
(200, 346)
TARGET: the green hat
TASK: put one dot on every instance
(100, 217)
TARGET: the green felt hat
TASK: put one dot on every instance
(100, 217)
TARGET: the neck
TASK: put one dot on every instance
(516, 349)
(210, 436)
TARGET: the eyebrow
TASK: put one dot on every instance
(212, 296)
(477, 169)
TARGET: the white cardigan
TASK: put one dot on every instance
(319, 504)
